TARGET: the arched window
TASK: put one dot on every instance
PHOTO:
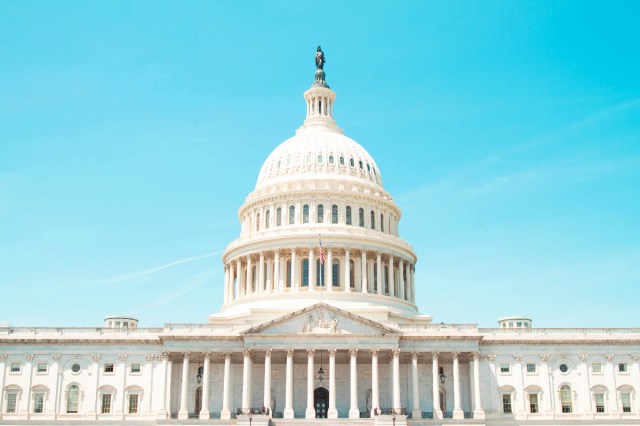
(381, 222)
(288, 274)
(319, 273)
(305, 272)
(267, 219)
(361, 217)
(335, 272)
(320, 214)
(342, 161)
(305, 213)
(348, 214)
(352, 162)
(258, 222)
(352, 269)
(565, 399)
(334, 213)
(292, 215)
(373, 220)
(73, 396)
(279, 216)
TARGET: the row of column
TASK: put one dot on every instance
(319, 106)
(354, 412)
(272, 275)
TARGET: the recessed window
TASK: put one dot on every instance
(564, 368)
(625, 398)
(320, 214)
(331, 159)
(73, 396)
(596, 367)
(351, 162)
(334, 213)
(105, 403)
(305, 273)
(622, 367)
(361, 217)
(505, 368)
(531, 368)
(12, 401)
(373, 220)
(533, 403)
(348, 214)
(292, 215)
(599, 399)
(319, 159)
(335, 272)
(279, 216)
(368, 168)
(15, 367)
(342, 161)
(38, 402)
(133, 403)
(506, 403)
(42, 367)
(565, 399)
(305, 213)
(135, 368)
(75, 368)
(360, 164)
(109, 367)
(267, 219)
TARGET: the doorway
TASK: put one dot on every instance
(198, 404)
(321, 402)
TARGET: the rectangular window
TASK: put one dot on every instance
(335, 273)
(109, 367)
(105, 403)
(506, 403)
(15, 367)
(12, 402)
(133, 403)
(292, 215)
(599, 397)
(42, 367)
(626, 402)
(505, 368)
(38, 402)
(533, 403)
(279, 216)
(531, 368)
(135, 368)
(622, 367)
(596, 367)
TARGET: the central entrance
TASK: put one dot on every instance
(321, 402)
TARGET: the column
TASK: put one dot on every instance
(3, 359)
(332, 413)
(417, 413)
(478, 413)
(380, 272)
(204, 411)
(613, 391)
(246, 379)
(392, 283)
(396, 379)
(294, 269)
(401, 279)
(183, 414)
(375, 390)
(270, 287)
(585, 387)
(267, 381)
(311, 411)
(437, 412)
(249, 282)
(312, 273)
(25, 409)
(227, 292)
(413, 284)
(167, 396)
(225, 414)
(288, 407)
(347, 271)
(354, 412)
(457, 399)
(548, 394)
(635, 379)
(162, 412)
(239, 292)
(261, 288)
(407, 278)
(329, 276)
(363, 272)
(277, 279)
(519, 384)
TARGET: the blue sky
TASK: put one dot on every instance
(508, 132)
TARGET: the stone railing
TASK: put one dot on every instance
(556, 331)
(432, 328)
(78, 330)
(206, 328)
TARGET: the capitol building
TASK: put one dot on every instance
(319, 326)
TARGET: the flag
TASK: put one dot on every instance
(321, 254)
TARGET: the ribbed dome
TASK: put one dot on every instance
(318, 152)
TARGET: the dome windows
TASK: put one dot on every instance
(348, 214)
(305, 213)
(341, 161)
(351, 162)
(331, 159)
(320, 214)
(334, 214)
(279, 216)
(292, 215)
(361, 217)
(360, 164)
(373, 219)
(267, 219)
(319, 159)
(258, 222)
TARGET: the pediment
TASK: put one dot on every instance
(321, 319)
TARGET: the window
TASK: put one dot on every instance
(342, 161)
(335, 272)
(305, 213)
(531, 368)
(334, 213)
(279, 216)
(331, 159)
(596, 367)
(352, 268)
(320, 214)
(12, 401)
(565, 399)
(105, 403)
(625, 398)
(15, 367)
(360, 164)
(381, 222)
(292, 215)
(506, 403)
(320, 273)
(305, 273)
(505, 368)
(73, 395)
(267, 219)
(319, 159)
(351, 162)
(348, 215)
(361, 217)
(599, 400)
(133, 403)
(622, 367)
(288, 273)
(75, 368)
(533, 403)
(375, 277)
(258, 222)
(42, 367)
(373, 220)
(109, 367)
(135, 368)
(564, 368)
(38, 402)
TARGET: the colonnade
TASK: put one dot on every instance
(298, 270)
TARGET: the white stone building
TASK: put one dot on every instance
(308, 339)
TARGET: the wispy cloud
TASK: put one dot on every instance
(137, 274)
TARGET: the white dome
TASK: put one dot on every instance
(319, 152)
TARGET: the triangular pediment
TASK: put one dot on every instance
(321, 319)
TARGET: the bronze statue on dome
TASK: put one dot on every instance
(320, 58)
